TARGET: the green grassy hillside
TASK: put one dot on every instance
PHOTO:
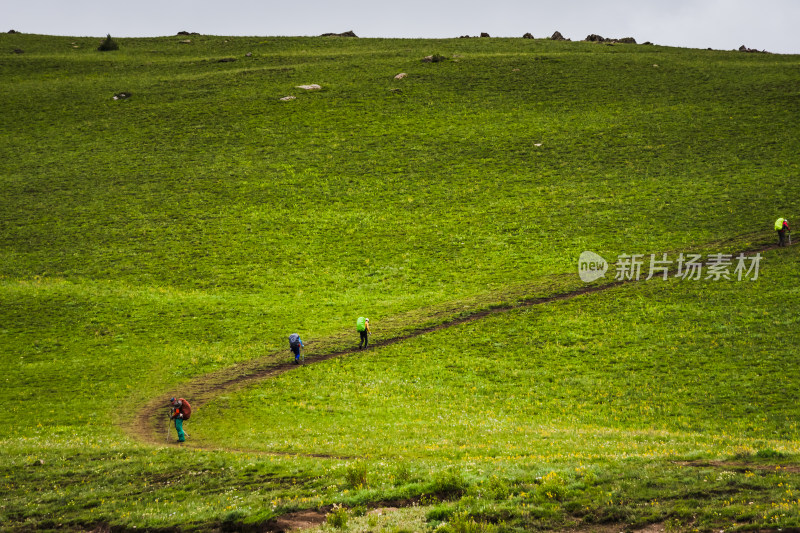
(152, 245)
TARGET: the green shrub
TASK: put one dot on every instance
(232, 519)
(464, 523)
(496, 488)
(356, 475)
(448, 482)
(402, 473)
(358, 510)
(108, 44)
(769, 454)
(552, 487)
(439, 513)
(337, 518)
(429, 499)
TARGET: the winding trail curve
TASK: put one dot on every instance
(148, 424)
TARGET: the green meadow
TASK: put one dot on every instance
(168, 242)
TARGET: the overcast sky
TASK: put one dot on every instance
(770, 25)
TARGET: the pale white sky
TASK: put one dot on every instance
(720, 24)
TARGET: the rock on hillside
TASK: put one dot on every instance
(345, 34)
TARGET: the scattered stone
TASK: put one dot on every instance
(484, 34)
(249, 54)
(558, 37)
(537, 144)
(122, 96)
(594, 38)
(464, 37)
(528, 36)
(396, 91)
(514, 70)
(427, 59)
(311, 87)
(13, 31)
(188, 33)
(743, 48)
(287, 98)
(19, 51)
(227, 60)
(186, 41)
(345, 34)
(400, 76)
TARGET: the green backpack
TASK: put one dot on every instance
(361, 324)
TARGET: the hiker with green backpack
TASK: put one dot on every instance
(362, 326)
(782, 227)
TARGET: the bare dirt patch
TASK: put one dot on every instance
(741, 466)
(298, 520)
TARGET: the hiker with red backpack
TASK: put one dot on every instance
(181, 410)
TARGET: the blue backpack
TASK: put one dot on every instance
(294, 340)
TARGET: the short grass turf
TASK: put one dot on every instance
(657, 369)
(148, 241)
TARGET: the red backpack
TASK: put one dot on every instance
(185, 409)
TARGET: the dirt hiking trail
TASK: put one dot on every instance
(148, 424)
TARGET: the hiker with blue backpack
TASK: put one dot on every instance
(295, 345)
(362, 326)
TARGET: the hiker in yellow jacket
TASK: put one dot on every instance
(362, 326)
(782, 227)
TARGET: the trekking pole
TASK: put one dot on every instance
(168, 425)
